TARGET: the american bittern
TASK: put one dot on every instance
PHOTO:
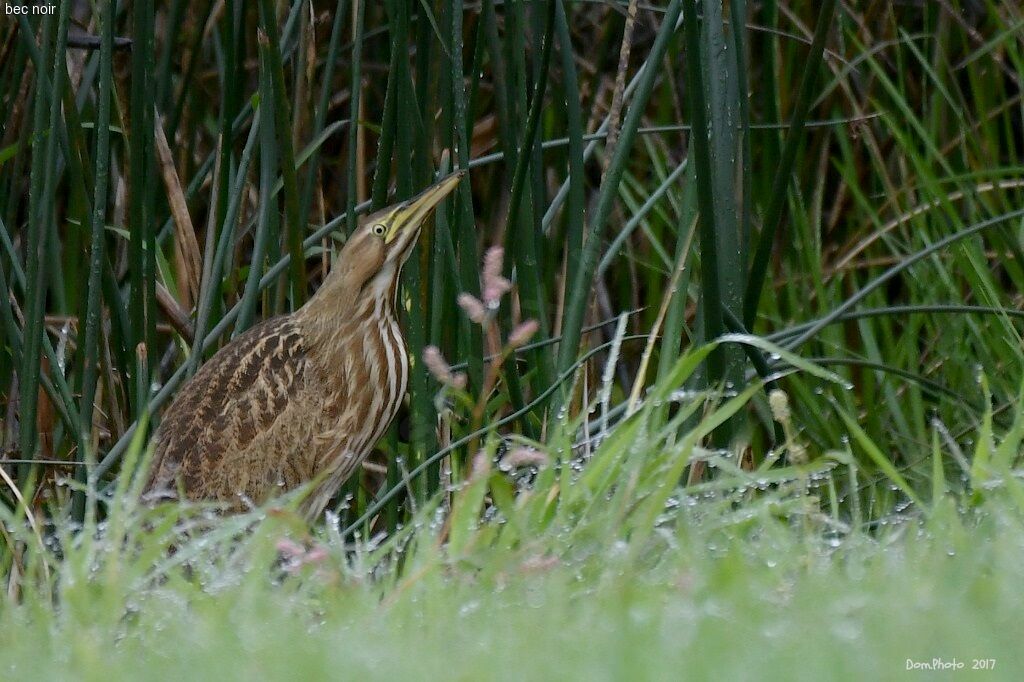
(305, 396)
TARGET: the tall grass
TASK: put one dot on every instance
(837, 180)
(608, 571)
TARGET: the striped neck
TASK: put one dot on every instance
(329, 320)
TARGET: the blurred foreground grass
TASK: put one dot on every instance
(839, 179)
(606, 569)
(711, 598)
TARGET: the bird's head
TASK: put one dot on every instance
(372, 258)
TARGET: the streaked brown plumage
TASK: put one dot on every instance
(305, 396)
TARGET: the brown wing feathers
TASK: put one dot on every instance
(237, 394)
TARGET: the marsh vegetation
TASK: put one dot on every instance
(764, 413)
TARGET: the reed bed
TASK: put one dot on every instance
(772, 251)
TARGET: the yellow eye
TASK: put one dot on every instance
(379, 230)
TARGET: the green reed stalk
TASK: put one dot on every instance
(90, 356)
(355, 94)
(279, 107)
(44, 155)
(779, 194)
(711, 297)
(142, 242)
(579, 295)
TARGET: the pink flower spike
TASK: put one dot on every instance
(290, 548)
(523, 333)
(473, 308)
(481, 464)
(494, 285)
(297, 556)
(442, 371)
(436, 364)
(315, 555)
(494, 290)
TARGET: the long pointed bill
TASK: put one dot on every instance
(412, 213)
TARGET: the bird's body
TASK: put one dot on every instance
(302, 397)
